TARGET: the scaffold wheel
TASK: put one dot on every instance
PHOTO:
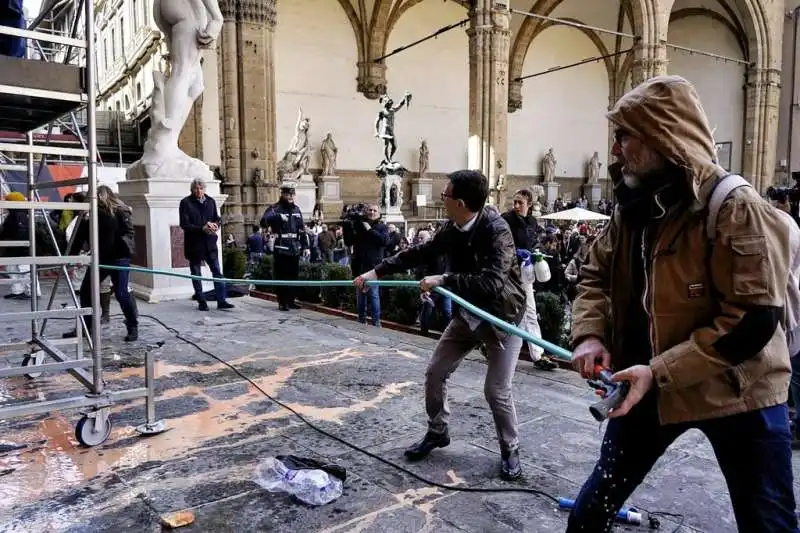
(32, 360)
(93, 430)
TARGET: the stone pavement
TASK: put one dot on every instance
(357, 382)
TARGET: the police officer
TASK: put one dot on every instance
(286, 222)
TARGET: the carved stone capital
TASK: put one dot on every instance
(228, 8)
(514, 95)
(371, 79)
(257, 12)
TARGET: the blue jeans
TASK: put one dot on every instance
(753, 450)
(373, 295)
(445, 305)
(120, 280)
(213, 265)
(794, 390)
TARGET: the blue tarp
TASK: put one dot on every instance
(18, 181)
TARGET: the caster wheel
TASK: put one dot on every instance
(92, 431)
(32, 360)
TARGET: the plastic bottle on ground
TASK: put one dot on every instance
(314, 487)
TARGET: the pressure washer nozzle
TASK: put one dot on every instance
(625, 515)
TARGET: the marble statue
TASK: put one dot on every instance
(424, 158)
(189, 26)
(384, 125)
(295, 161)
(594, 169)
(328, 151)
(536, 207)
(549, 166)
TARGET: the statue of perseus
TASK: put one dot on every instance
(189, 26)
(384, 125)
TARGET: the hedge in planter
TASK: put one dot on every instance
(234, 263)
(551, 317)
(310, 271)
(400, 304)
(264, 270)
(339, 297)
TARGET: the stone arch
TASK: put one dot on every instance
(639, 13)
(372, 30)
(734, 27)
(515, 84)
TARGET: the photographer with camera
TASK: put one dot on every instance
(286, 221)
(369, 236)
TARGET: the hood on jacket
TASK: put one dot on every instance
(665, 112)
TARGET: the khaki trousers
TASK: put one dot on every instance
(502, 354)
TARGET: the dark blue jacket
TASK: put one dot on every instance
(288, 235)
(11, 14)
(197, 244)
(368, 245)
(255, 243)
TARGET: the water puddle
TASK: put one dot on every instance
(52, 459)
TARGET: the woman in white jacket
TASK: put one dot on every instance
(525, 229)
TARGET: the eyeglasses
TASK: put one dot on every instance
(445, 196)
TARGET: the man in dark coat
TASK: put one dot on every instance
(200, 223)
(482, 268)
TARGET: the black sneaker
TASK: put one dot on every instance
(133, 334)
(510, 467)
(545, 363)
(202, 305)
(430, 442)
(225, 305)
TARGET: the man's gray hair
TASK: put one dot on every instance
(198, 181)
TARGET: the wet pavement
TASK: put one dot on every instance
(358, 383)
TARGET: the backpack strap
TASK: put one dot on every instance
(722, 189)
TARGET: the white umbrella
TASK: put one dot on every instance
(577, 214)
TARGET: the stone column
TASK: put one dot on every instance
(231, 165)
(649, 60)
(248, 77)
(761, 126)
(489, 43)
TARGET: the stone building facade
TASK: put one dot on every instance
(494, 93)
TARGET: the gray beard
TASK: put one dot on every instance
(631, 181)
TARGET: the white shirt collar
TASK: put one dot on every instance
(468, 226)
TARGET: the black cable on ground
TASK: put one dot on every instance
(653, 522)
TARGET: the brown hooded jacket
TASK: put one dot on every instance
(695, 293)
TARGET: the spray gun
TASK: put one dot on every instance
(611, 392)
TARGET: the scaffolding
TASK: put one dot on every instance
(52, 82)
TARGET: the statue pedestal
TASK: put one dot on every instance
(422, 187)
(158, 236)
(330, 195)
(392, 200)
(595, 192)
(550, 192)
(306, 195)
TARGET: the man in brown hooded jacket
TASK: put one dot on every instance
(693, 326)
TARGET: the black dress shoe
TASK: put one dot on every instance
(225, 305)
(283, 307)
(430, 442)
(510, 467)
(294, 306)
(202, 305)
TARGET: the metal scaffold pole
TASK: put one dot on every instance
(38, 91)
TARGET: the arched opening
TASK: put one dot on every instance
(564, 110)
(720, 84)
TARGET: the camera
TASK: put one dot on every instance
(356, 212)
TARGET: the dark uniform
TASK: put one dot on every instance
(286, 221)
